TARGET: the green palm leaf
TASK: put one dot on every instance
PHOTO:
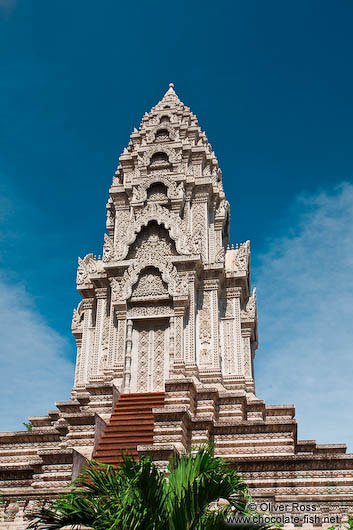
(139, 496)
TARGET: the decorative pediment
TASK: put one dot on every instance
(145, 158)
(174, 191)
(164, 279)
(166, 268)
(149, 285)
(172, 222)
(151, 136)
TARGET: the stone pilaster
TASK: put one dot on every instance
(200, 221)
(127, 367)
(171, 343)
(211, 286)
(218, 235)
(212, 243)
(179, 360)
(87, 340)
(119, 339)
(247, 357)
(77, 382)
(190, 357)
(97, 368)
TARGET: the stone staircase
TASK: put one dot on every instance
(131, 424)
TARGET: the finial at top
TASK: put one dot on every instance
(170, 91)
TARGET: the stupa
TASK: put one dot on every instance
(166, 335)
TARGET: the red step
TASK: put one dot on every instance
(131, 424)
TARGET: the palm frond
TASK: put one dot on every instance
(196, 481)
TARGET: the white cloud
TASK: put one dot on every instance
(305, 293)
(33, 370)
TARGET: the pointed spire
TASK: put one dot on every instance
(170, 91)
(170, 96)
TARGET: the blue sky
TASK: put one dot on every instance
(271, 83)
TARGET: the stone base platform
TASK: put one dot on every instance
(37, 465)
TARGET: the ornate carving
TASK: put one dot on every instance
(157, 192)
(124, 219)
(174, 191)
(152, 241)
(241, 258)
(222, 209)
(249, 312)
(143, 348)
(182, 287)
(220, 256)
(199, 226)
(159, 359)
(110, 215)
(145, 158)
(149, 310)
(115, 289)
(205, 327)
(108, 249)
(154, 212)
(149, 284)
(151, 135)
(168, 272)
(227, 309)
(77, 318)
(86, 266)
(105, 339)
(247, 356)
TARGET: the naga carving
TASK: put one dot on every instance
(86, 266)
(249, 313)
(77, 318)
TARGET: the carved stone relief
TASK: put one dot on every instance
(168, 272)
(77, 318)
(145, 158)
(108, 249)
(205, 337)
(154, 212)
(152, 241)
(174, 191)
(241, 258)
(151, 135)
(249, 312)
(150, 285)
(86, 266)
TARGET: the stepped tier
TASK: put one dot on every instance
(260, 440)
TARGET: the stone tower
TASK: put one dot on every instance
(168, 298)
(166, 335)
